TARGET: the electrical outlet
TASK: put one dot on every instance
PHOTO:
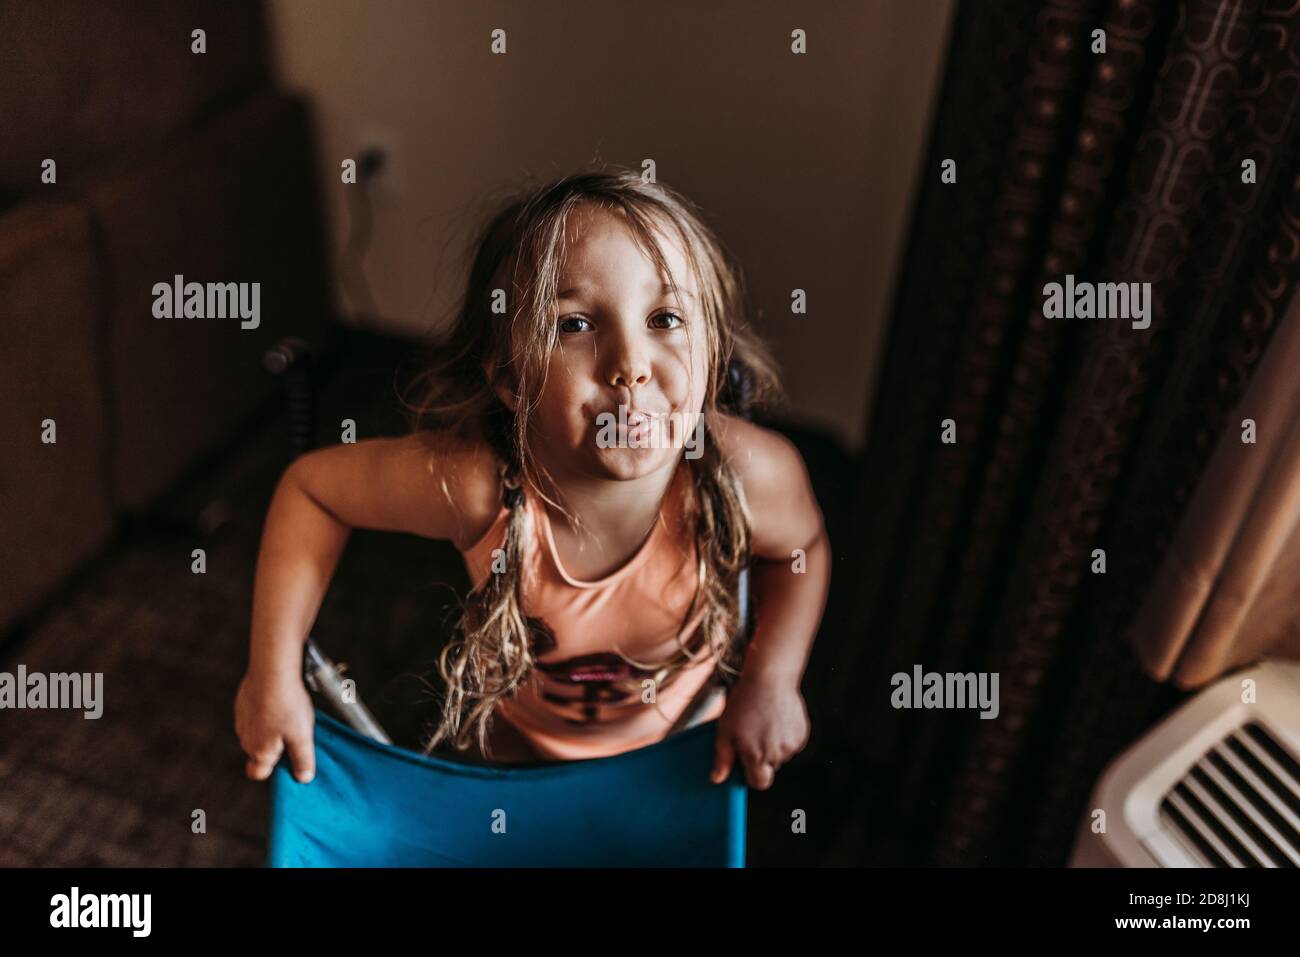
(379, 163)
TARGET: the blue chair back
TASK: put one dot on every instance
(378, 805)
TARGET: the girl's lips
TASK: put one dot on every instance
(639, 430)
(631, 416)
(634, 425)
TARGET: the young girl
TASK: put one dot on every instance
(575, 442)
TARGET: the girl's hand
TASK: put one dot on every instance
(766, 723)
(270, 715)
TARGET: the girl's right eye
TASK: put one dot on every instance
(568, 319)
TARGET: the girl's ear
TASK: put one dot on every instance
(504, 386)
(507, 396)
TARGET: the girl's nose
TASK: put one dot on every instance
(630, 366)
(630, 375)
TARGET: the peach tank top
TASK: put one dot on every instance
(583, 700)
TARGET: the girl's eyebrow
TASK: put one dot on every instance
(665, 288)
(650, 287)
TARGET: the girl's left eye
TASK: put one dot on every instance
(669, 315)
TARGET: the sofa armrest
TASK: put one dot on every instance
(54, 502)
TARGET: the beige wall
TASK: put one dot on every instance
(806, 164)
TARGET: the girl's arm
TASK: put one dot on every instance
(766, 721)
(412, 484)
(402, 484)
(791, 603)
(301, 544)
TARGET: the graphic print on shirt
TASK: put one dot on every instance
(586, 685)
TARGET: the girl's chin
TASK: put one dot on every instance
(631, 462)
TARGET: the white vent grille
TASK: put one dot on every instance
(1239, 805)
(1214, 784)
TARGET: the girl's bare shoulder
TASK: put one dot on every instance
(464, 474)
(774, 478)
(765, 460)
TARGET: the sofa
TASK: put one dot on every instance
(167, 162)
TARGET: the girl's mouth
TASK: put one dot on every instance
(637, 429)
(631, 427)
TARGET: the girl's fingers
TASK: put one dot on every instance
(260, 765)
(724, 755)
(760, 774)
(303, 758)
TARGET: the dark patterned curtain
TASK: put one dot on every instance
(1072, 434)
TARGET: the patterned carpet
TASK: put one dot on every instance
(126, 789)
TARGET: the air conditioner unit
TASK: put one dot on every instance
(1215, 784)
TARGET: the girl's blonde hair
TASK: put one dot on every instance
(521, 250)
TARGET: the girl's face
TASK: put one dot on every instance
(628, 377)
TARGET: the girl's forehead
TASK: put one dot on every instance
(597, 238)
